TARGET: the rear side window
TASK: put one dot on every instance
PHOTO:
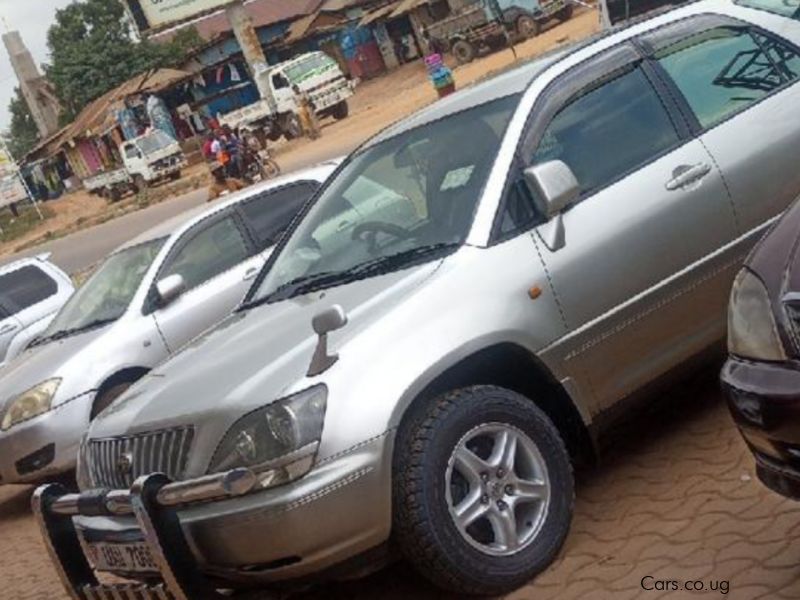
(25, 287)
(725, 70)
(269, 214)
(609, 131)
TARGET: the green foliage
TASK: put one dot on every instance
(93, 51)
(22, 135)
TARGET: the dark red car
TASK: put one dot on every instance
(762, 375)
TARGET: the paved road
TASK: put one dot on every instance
(83, 248)
(676, 499)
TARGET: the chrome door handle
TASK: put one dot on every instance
(686, 174)
(250, 274)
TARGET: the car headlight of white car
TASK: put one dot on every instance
(277, 442)
(752, 332)
(32, 403)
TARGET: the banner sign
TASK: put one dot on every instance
(157, 14)
(11, 190)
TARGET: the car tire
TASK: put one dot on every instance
(292, 128)
(535, 495)
(271, 168)
(528, 27)
(341, 110)
(107, 397)
(565, 14)
(464, 51)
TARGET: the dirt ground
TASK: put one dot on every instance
(376, 104)
(675, 499)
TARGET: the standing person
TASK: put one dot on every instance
(400, 50)
(233, 144)
(307, 114)
(208, 146)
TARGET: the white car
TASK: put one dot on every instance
(32, 290)
(147, 300)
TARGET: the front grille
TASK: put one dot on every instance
(116, 462)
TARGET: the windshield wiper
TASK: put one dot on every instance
(65, 333)
(377, 266)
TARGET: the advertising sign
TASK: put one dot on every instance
(157, 14)
(11, 190)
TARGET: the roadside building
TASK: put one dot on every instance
(398, 26)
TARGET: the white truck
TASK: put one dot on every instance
(315, 74)
(147, 160)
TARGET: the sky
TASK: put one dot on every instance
(32, 18)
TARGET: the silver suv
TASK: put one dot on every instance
(144, 302)
(32, 290)
(456, 315)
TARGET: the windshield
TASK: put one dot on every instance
(400, 197)
(158, 140)
(311, 65)
(106, 295)
(785, 8)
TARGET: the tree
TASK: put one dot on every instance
(23, 134)
(93, 51)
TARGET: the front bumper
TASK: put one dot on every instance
(764, 399)
(222, 530)
(46, 445)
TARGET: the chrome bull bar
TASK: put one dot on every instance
(152, 500)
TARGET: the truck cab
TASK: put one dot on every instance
(314, 74)
(152, 158)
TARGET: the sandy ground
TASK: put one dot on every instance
(376, 104)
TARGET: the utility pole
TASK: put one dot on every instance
(246, 35)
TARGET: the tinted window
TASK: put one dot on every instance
(25, 287)
(786, 58)
(270, 213)
(622, 10)
(211, 251)
(785, 8)
(609, 131)
(725, 70)
(518, 212)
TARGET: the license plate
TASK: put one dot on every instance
(129, 558)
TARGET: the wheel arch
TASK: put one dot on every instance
(511, 366)
(126, 375)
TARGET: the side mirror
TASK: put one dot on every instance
(324, 323)
(329, 320)
(553, 186)
(170, 288)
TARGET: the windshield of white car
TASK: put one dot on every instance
(403, 201)
(784, 8)
(158, 140)
(106, 295)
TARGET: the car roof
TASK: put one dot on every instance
(179, 223)
(517, 78)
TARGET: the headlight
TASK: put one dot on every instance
(278, 442)
(751, 326)
(30, 404)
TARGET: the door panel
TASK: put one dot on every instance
(616, 275)
(741, 85)
(206, 305)
(216, 262)
(762, 173)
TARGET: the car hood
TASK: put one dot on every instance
(44, 362)
(250, 359)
